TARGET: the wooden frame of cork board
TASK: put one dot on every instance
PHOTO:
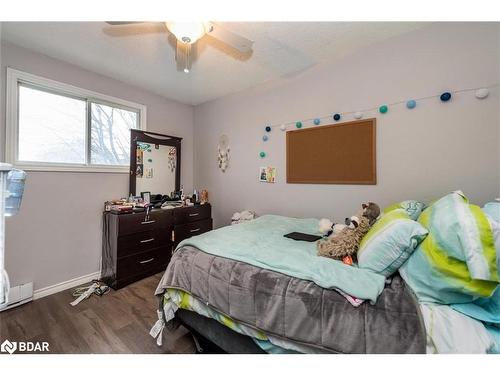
(333, 154)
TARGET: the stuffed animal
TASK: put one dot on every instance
(344, 244)
(329, 228)
(240, 217)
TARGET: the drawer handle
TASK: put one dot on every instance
(196, 214)
(148, 240)
(148, 222)
(195, 230)
(146, 261)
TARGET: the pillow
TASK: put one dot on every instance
(459, 261)
(492, 209)
(390, 242)
(413, 208)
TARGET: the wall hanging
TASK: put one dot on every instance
(223, 153)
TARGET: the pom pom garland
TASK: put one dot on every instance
(479, 92)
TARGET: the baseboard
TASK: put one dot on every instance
(48, 290)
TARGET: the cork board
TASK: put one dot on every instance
(333, 154)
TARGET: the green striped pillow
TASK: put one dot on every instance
(390, 242)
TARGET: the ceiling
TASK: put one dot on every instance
(146, 56)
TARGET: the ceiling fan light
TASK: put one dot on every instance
(187, 32)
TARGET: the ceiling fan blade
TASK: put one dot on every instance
(236, 41)
(134, 29)
(183, 57)
(122, 23)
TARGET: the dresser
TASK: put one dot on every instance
(135, 246)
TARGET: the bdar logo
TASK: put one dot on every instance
(8, 347)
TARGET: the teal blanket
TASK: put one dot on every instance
(260, 242)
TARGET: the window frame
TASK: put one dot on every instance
(16, 77)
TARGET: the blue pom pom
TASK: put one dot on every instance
(268, 128)
(445, 96)
(336, 117)
(265, 138)
(410, 104)
(317, 121)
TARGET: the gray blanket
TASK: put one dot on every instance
(299, 310)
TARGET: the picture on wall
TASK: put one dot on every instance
(267, 174)
(139, 170)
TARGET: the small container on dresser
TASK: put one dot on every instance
(135, 246)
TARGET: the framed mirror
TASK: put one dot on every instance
(155, 163)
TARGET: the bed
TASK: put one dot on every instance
(248, 289)
(281, 304)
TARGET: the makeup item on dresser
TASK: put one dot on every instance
(107, 206)
(146, 197)
(120, 209)
(204, 197)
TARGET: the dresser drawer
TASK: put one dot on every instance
(190, 214)
(142, 262)
(134, 223)
(142, 241)
(184, 231)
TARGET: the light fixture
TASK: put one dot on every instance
(186, 70)
(187, 32)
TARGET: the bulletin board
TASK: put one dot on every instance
(333, 154)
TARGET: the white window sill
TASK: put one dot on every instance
(72, 168)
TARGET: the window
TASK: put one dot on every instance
(54, 126)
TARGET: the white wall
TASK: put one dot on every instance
(421, 154)
(57, 234)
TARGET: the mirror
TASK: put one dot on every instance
(154, 163)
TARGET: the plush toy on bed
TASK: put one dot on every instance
(328, 228)
(344, 243)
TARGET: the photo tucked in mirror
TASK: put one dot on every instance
(155, 168)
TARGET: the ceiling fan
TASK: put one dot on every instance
(188, 33)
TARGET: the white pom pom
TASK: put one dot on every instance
(358, 115)
(482, 93)
(283, 127)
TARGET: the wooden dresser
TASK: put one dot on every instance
(135, 246)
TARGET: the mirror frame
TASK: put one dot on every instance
(158, 139)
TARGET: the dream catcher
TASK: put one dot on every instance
(172, 159)
(223, 153)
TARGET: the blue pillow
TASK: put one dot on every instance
(492, 209)
(390, 242)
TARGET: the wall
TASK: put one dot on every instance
(422, 154)
(57, 234)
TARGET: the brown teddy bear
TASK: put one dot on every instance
(344, 244)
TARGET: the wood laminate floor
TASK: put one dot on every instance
(118, 322)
